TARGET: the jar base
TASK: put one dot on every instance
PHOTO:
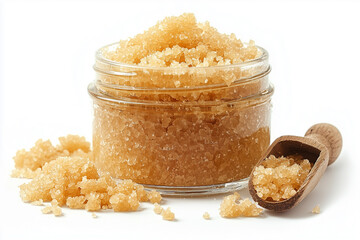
(193, 191)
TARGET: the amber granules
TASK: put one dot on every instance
(167, 214)
(232, 206)
(28, 164)
(278, 178)
(182, 42)
(157, 208)
(68, 177)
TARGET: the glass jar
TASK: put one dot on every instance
(152, 126)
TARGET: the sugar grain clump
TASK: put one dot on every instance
(168, 214)
(279, 178)
(157, 208)
(232, 207)
(69, 177)
(183, 42)
(28, 164)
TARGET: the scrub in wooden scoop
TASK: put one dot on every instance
(292, 167)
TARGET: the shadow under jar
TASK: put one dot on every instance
(151, 125)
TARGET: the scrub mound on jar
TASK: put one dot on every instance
(279, 178)
(159, 120)
(183, 42)
(177, 44)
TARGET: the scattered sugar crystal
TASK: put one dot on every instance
(157, 208)
(279, 178)
(57, 211)
(316, 209)
(168, 215)
(154, 196)
(232, 207)
(54, 209)
(206, 216)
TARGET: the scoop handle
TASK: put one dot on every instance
(329, 136)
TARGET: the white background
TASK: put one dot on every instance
(46, 56)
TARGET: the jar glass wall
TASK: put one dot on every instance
(178, 138)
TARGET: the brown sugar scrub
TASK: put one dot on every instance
(181, 105)
(279, 178)
(73, 180)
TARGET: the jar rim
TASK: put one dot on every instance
(100, 57)
(98, 95)
(183, 89)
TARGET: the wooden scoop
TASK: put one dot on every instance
(321, 146)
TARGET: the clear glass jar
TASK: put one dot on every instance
(152, 126)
